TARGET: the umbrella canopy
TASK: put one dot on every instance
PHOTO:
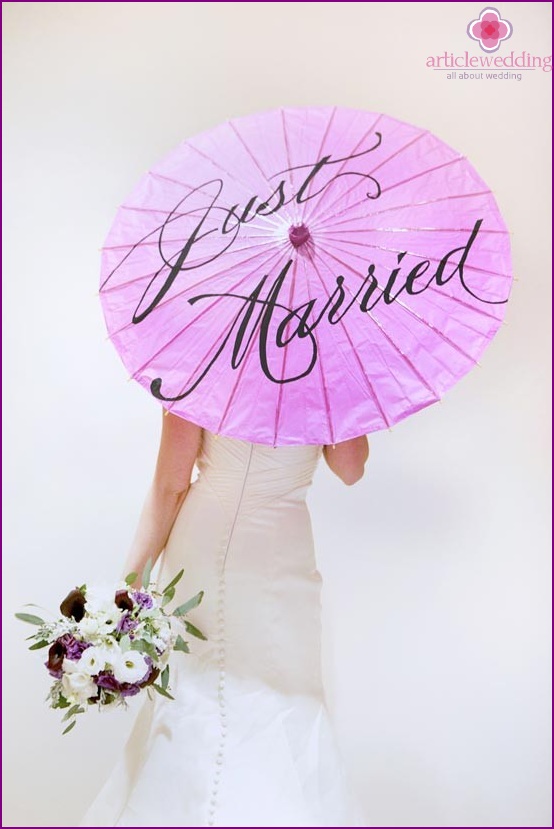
(305, 275)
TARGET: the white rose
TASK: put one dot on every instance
(78, 686)
(130, 667)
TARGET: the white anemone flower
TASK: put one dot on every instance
(130, 667)
(93, 660)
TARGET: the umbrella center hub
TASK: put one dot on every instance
(299, 235)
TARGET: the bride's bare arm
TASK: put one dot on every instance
(347, 459)
(179, 446)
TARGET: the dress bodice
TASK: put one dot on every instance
(255, 472)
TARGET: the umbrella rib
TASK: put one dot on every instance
(194, 263)
(289, 171)
(411, 253)
(409, 205)
(421, 319)
(310, 213)
(230, 175)
(279, 256)
(295, 261)
(201, 314)
(325, 215)
(399, 350)
(248, 151)
(407, 229)
(320, 367)
(176, 181)
(318, 156)
(193, 287)
(354, 351)
(239, 376)
(285, 354)
(182, 184)
(400, 150)
(474, 308)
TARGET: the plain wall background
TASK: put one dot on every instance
(436, 565)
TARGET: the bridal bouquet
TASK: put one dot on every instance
(111, 644)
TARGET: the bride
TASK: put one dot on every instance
(248, 740)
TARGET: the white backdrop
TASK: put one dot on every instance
(436, 564)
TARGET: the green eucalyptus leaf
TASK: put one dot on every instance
(165, 677)
(181, 645)
(161, 691)
(146, 573)
(174, 581)
(28, 617)
(145, 647)
(189, 605)
(73, 710)
(193, 630)
(38, 645)
(69, 727)
(131, 577)
(167, 596)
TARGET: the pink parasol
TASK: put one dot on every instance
(305, 275)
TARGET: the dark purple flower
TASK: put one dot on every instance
(129, 689)
(105, 679)
(56, 653)
(123, 600)
(144, 600)
(73, 606)
(73, 647)
(127, 623)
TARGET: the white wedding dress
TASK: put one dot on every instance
(248, 739)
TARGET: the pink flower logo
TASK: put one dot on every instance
(490, 29)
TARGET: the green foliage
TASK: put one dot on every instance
(37, 645)
(28, 617)
(143, 645)
(189, 605)
(161, 691)
(61, 702)
(181, 645)
(168, 595)
(146, 573)
(193, 630)
(173, 582)
(75, 709)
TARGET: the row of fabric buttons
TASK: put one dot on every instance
(220, 689)
(221, 649)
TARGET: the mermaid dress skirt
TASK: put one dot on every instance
(248, 739)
